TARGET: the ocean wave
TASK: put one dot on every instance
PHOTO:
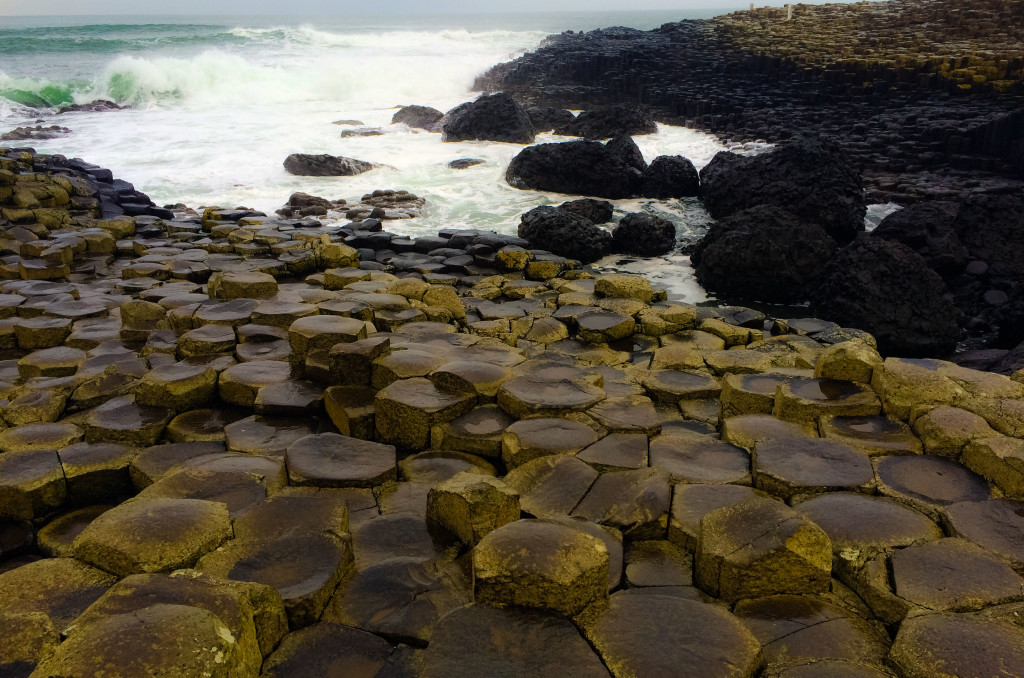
(109, 39)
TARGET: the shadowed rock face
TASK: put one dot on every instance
(888, 289)
(340, 449)
(490, 118)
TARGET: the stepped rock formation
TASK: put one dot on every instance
(239, 445)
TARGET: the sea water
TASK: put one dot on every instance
(217, 103)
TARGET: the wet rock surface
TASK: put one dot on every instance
(324, 445)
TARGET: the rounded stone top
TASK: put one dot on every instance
(530, 395)
(858, 522)
(789, 466)
(656, 635)
(539, 548)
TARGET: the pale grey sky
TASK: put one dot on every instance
(293, 7)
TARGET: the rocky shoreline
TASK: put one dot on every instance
(924, 97)
(236, 445)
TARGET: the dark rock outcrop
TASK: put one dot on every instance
(626, 149)
(422, 117)
(306, 165)
(645, 235)
(565, 233)
(763, 253)
(670, 176)
(97, 106)
(884, 287)
(612, 121)
(598, 211)
(573, 167)
(465, 163)
(549, 118)
(927, 97)
(496, 117)
(37, 133)
(927, 228)
(809, 177)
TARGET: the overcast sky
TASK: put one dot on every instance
(294, 7)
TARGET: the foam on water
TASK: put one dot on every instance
(212, 121)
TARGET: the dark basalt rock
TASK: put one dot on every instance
(565, 234)
(465, 163)
(495, 117)
(548, 119)
(886, 288)
(610, 122)
(574, 167)
(626, 149)
(37, 133)
(422, 117)
(927, 228)
(762, 253)
(306, 165)
(670, 176)
(644, 235)
(97, 106)
(598, 211)
(809, 177)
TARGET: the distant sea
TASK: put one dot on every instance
(217, 103)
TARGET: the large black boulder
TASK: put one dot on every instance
(423, 117)
(548, 119)
(564, 233)
(670, 176)
(573, 167)
(598, 211)
(495, 117)
(991, 226)
(626, 149)
(307, 165)
(763, 254)
(809, 177)
(886, 288)
(609, 122)
(927, 228)
(645, 235)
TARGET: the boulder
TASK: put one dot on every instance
(610, 122)
(645, 235)
(887, 289)
(764, 253)
(927, 228)
(564, 233)
(626, 150)
(306, 165)
(423, 117)
(548, 119)
(598, 211)
(574, 167)
(495, 117)
(784, 178)
(670, 176)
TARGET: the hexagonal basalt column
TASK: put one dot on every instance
(407, 409)
(533, 563)
(761, 547)
(807, 400)
(538, 396)
(470, 506)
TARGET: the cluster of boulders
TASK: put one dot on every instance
(925, 96)
(379, 204)
(240, 445)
